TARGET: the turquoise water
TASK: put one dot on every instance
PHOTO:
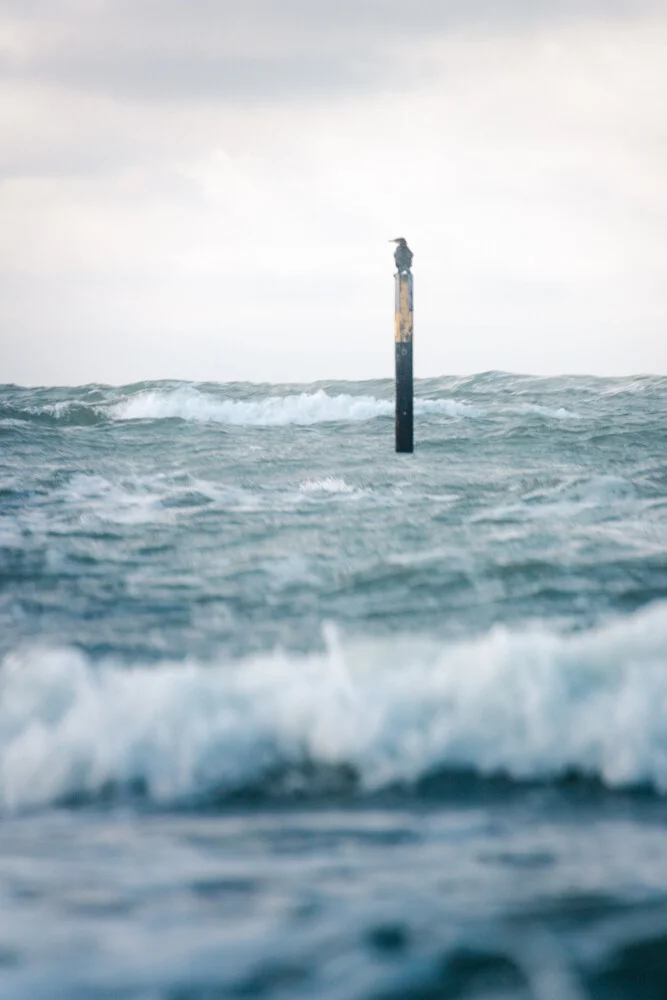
(283, 714)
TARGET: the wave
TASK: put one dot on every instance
(191, 404)
(304, 408)
(453, 395)
(65, 413)
(247, 405)
(531, 705)
(550, 412)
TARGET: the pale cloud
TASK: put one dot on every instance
(256, 50)
(240, 232)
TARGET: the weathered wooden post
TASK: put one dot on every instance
(403, 346)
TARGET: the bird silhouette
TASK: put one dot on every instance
(403, 255)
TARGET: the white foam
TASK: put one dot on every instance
(304, 408)
(551, 412)
(571, 499)
(447, 408)
(326, 484)
(188, 403)
(529, 704)
(136, 500)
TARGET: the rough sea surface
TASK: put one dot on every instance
(285, 715)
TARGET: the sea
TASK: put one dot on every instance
(285, 715)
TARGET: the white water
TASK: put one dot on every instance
(305, 408)
(189, 403)
(529, 704)
(327, 485)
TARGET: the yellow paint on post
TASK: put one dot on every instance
(403, 323)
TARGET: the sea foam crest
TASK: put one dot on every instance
(326, 484)
(188, 403)
(303, 408)
(530, 704)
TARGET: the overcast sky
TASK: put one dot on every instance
(205, 189)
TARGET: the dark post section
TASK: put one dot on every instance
(403, 344)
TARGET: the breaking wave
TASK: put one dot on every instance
(193, 405)
(303, 408)
(531, 705)
(206, 405)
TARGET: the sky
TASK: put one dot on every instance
(206, 189)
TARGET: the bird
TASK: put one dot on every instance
(403, 254)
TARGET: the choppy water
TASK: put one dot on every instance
(283, 714)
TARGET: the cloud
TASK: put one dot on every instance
(266, 51)
(159, 223)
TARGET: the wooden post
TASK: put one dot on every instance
(403, 345)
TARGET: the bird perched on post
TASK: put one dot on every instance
(403, 254)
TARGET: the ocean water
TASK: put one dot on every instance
(286, 715)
